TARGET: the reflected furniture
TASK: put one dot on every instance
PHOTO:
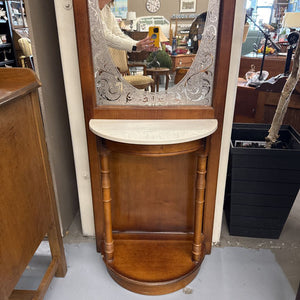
(27, 58)
(28, 208)
(119, 58)
(182, 60)
(137, 56)
(274, 64)
(156, 73)
(258, 105)
(180, 73)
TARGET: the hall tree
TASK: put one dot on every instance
(143, 223)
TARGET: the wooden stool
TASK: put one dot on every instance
(156, 72)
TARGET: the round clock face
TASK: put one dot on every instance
(153, 5)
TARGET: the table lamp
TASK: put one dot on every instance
(131, 16)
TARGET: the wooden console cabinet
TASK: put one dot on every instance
(182, 61)
(153, 176)
(28, 208)
(153, 226)
(274, 64)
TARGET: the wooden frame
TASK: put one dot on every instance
(91, 111)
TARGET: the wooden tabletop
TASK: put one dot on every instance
(15, 82)
(158, 70)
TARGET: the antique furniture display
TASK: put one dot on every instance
(28, 207)
(274, 64)
(119, 58)
(154, 157)
(257, 105)
(156, 73)
(182, 60)
(153, 235)
(27, 57)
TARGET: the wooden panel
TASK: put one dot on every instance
(154, 150)
(245, 105)
(21, 166)
(28, 207)
(273, 64)
(292, 116)
(182, 60)
(169, 268)
(163, 112)
(152, 194)
(170, 259)
(22, 295)
(255, 106)
(227, 11)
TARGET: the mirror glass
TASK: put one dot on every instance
(188, 76)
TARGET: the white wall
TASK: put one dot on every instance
(68, 49)
(43, 35)
(236, 49)
(167, 8)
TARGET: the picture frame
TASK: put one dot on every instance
(187, 6)
(120, 9)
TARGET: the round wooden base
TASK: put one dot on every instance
(153, 267)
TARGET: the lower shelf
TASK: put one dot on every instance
(153, 267)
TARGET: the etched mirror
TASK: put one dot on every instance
(195, 88)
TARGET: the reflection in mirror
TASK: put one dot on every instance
(195, 88)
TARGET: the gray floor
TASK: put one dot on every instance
(238, 268)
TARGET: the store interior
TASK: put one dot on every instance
(38, 35)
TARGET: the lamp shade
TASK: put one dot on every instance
(131, 15)
(291, 19)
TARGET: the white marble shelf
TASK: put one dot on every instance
(153, 132)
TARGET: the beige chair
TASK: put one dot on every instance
(26, 58)
(120, 60)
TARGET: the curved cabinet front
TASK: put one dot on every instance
(153, 194)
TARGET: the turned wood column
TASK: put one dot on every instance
(197, 249)
(106, 198)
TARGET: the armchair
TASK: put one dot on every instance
(120, 60)
(27, 58)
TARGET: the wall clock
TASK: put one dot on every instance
(153, 5)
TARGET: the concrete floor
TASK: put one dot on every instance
(238, 268)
